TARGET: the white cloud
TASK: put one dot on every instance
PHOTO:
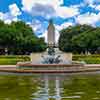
(7, 21)
(88, 18)
(92, 5)
(1, 16)
(7, 17)
(48, 9)
(11, 15)
(14, 10)
(64, 25)
(89, 1)
(66, 12)
(28, 4)
(97, 7)
(36, 25)
(15, 19)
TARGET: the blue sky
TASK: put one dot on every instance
(64, 13)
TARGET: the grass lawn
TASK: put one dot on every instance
(13, 59)
(89, 59)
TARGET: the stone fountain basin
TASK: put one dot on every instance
(48, 68)
(47, 65)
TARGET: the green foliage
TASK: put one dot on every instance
(19, 38)
(89, 59)
(80, 39)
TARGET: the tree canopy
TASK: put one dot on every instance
(19, 38)
(80, 39)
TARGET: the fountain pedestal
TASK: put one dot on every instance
(37, 57)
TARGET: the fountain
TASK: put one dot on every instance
(52, 60)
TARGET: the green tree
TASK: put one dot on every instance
(19, 38)
(76, 38)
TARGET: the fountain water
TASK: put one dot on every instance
(51, 58)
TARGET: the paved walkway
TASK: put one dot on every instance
(7, 65)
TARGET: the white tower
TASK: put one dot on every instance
(51, 34)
